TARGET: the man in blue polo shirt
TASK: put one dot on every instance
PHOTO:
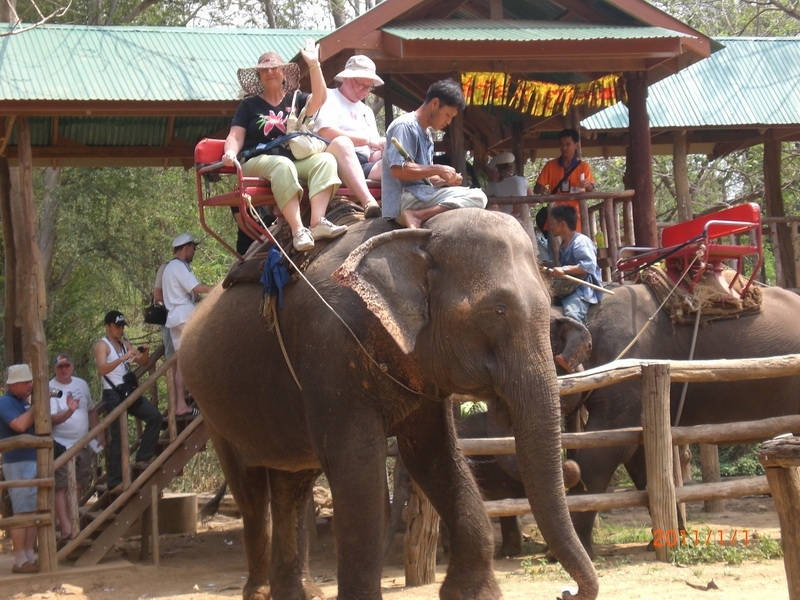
(16, 417)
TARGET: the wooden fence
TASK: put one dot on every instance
(657, 437)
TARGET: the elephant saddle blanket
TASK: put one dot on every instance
(711, 296)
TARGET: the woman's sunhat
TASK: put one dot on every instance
(251, 82)
(359, 67)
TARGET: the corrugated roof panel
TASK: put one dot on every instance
(116, 63)
(521, 31)
(749, 82)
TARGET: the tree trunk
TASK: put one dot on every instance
(680, 173)
(773, 199)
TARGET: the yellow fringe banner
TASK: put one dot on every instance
(540, 98)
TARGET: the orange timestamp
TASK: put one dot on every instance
(671, 537)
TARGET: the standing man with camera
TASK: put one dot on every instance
(16, 417)
(181, 290)
(72, 414)
(112, 356)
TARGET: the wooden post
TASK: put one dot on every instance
(709, 466)
(781, 461)
(154, 495)
(31, 307)
(12, 334)
(72, 496)
(657, 441)
(422, 539)
(640, 158)
(125, 451)
(677, 479)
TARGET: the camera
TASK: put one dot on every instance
(141, 349)
(56, 393)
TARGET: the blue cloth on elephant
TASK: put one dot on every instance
(275, 276)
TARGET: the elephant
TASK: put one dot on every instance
(617, 319)
(385, 325)
(498, 477)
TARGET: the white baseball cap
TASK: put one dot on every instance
(183, 239)
(503, 158)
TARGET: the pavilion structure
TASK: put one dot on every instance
(127, 96)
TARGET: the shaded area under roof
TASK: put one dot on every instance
(145, 95)
(751, 85)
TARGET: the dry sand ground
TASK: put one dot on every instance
(210, 565)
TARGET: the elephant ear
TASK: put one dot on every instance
(390, 274)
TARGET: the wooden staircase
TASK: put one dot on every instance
(110, 516)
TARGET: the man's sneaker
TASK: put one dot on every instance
(303, 241)
(326, 230)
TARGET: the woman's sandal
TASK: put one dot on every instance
(64, 541)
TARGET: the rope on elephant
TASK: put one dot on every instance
(711, 296)
(338, 210)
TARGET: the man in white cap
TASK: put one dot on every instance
(507, 184)
(345, 115)
(181, 290)
(71, 414)
(16, 417)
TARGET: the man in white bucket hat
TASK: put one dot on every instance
(345, 114)
(16, 417)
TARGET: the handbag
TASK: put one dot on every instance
(563, 287)
(156, 314)
(308, 142)
(126, 388)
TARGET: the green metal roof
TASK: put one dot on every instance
(521, 31)
(75, 63)
(752, 81)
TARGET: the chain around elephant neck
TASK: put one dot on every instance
(381, 367)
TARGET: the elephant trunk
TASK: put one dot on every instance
(537, 429)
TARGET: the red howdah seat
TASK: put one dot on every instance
(244, 191)
(693, 247)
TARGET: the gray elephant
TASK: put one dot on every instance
(498, 478)
(409, 317)
(617, 320)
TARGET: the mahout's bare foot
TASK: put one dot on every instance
(409, 218)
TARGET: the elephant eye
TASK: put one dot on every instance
(501, 309)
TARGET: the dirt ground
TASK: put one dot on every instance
(210, 565)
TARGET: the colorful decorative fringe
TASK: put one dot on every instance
(540, 98)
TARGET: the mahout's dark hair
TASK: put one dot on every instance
(449, 93)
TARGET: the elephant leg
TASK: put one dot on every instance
(597, 466)
(512, 536)
(427, 444)
(289, 575)
(355, 465)
(250, 489)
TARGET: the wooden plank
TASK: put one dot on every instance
(737, 488)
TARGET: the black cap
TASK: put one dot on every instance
(114, 317)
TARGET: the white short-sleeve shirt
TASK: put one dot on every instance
(351, 117)
(177, 285)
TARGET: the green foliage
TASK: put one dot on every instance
(739, 461)
(709, 547)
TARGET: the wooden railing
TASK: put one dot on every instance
(43, 518)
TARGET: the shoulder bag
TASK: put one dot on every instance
(307, 142)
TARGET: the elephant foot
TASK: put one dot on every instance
(509, 550)
(256, 592)
(486, 589)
